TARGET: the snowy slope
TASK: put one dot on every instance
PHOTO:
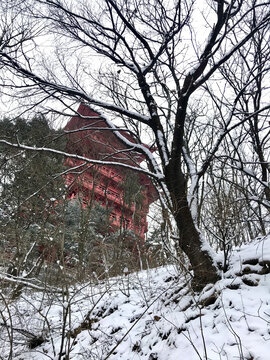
(149, 315)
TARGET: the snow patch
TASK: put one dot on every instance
(152, 314)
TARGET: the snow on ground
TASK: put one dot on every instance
(148, 315)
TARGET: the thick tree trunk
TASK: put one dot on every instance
(190, 241)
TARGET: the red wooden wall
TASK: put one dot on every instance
(87, 135)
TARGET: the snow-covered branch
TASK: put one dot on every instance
(74, 93)
(157, 176)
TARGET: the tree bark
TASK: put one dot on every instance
(190, 241)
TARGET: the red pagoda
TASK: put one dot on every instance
(89, 135)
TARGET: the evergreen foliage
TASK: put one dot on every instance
(39, 225)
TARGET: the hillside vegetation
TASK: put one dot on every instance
(151, 315)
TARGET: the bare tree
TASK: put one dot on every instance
(249, 70)
(161, 58)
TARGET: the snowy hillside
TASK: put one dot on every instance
(151, 315)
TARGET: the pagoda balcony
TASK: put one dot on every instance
(106, 194)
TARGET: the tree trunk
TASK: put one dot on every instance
(190, 241)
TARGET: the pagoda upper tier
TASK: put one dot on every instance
(89, 135)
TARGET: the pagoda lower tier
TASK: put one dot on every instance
(103, 185)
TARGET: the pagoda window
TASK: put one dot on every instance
(102, 187)
(113, 216)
